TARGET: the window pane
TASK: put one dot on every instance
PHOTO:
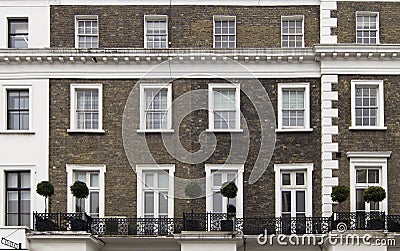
(80, 176)
(94, 203)
(12, 202)
(361, 176)
(94, 180)
(217, 202)
(373, 176)
(25, 180)
(25, 202)
(286, 179)
(300, 201)
(217, 179)
(149, 202)
(12, 180)
(300, 178)
(360, 203)
(149, 180)
(163, 203)
(230, 176)
(163, 180)
(286, 201)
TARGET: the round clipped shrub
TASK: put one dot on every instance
(193, 190)
(45, 188)
(374, 194)
(80, 190)
(229, 190)
(340, 193)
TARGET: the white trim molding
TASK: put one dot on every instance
(368, 13)
(33, 179)
(306, 102)
(224, 18)
(327, 22)
(308, 168)
(170, 169)
(17, 86)
(73, 103)
(368, 160)
(211, 87)
(142, 107)
(155, 18)
(86, 18)
(239, 168)
(293, 18)
(380, 102)
(101, 169)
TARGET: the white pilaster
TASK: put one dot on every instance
(327, 22)
(327, 146)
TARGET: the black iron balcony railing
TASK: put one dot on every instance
(214, 222)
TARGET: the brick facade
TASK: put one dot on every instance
(189, 26)
(120, 188)
(370, 140)
(388, 13)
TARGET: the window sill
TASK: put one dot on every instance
(224, 130)
(371, 128)
(17, 132)
(155, 131)
(85, 131)
(294, 130)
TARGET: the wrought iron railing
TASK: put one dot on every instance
(62, 221)
(215, 222)
(136, 226)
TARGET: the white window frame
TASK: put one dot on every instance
(170, 168)
(381, 105)
(278, 169)
(71, 170)
(239, 168)
(155, 18)
(307, 107)
(293, 18)
(224, 18)
(3, 197)
(73, 98)
(211, 88)
(369, 13)
(84, 18)
(12, 18)
(143, 88)
(365, 160)
(5, 89)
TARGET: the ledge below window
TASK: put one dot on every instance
(370, 128)
(17, 132)
(155, 131)
(224, 130)
(85, 131)
(294, 130)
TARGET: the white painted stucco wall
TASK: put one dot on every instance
(38, 14)
(27, 151)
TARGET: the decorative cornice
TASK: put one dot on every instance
(93, 56)
(353, 51)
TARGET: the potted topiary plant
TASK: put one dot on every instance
(340, 194)
(81, 192)
(192, 190)
(375, 194)
(229, 190)
(44, 223)
(46, 189)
